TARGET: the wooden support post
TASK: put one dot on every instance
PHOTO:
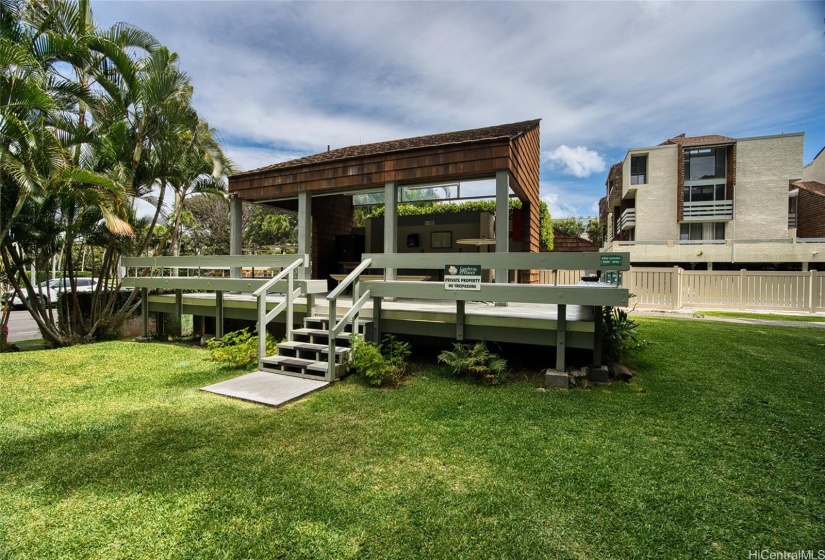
(390, 224)
(261, 328)
(218, 314)
(597, 335)
(561, 328)
(305, 232)
(459, 319)
(290, 302)
(160, 324)
(179, 313)
(333, 320)
(310, 303)
(502, 224)
(235, 232)
(144, 311)
(376, 318)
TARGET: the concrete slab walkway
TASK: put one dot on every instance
(272, 389)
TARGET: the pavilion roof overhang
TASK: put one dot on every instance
(462, 155)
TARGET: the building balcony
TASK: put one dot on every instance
(793, 221)
(628, 219)
(767, 251)
(709, 211)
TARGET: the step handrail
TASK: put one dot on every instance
(352, 277)
(264, 318)
(335, 326)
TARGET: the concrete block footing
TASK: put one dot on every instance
(554, 378)
(598, 374)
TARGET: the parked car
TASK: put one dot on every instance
(49, 290)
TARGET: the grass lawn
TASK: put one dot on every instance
(717, 448)
(763, 316)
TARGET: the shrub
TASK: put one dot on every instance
(619, 334)
(380, 365)
(476, 361)
(239, 349)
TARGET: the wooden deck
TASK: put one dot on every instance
(517, 322)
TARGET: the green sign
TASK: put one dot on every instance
(462, 277)
(610, 260)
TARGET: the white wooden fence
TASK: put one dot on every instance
(675, 288)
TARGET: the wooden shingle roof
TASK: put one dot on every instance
(431, 141)
(814, 187)
(683, 140)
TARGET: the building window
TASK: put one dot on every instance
(703, 193)
(638, 170)
(702, 231)
(705, 163)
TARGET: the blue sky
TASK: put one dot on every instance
(281, 80)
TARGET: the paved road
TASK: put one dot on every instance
(22, 327)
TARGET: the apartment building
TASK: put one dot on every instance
(714, 202)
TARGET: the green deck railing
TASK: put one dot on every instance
(587, 294)
(206, 274)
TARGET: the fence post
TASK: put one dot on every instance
(742, 290)
(812, 291)
(630, 287)
(677, 288)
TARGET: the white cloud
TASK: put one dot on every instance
(567, 198)
(299, 76)
(578, 161)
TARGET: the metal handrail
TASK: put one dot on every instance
(264, 318)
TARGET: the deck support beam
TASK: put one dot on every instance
(561, 328)
(178, 330)
(218, 314)
(390, 224)
(597, 336)
(459, 319)
(235, 232)
(305, 232)
(376, 319)
(144, 311)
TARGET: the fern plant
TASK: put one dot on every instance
(476, 361)
(380, 365)
(239, 349)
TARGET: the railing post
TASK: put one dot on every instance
(290, 288)
(356, 294)
(743, 291)
(333, 320)
(561, 328)
(261, 328)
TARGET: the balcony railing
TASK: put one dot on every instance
(793, 221)
(627, 219)
(708, 211)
